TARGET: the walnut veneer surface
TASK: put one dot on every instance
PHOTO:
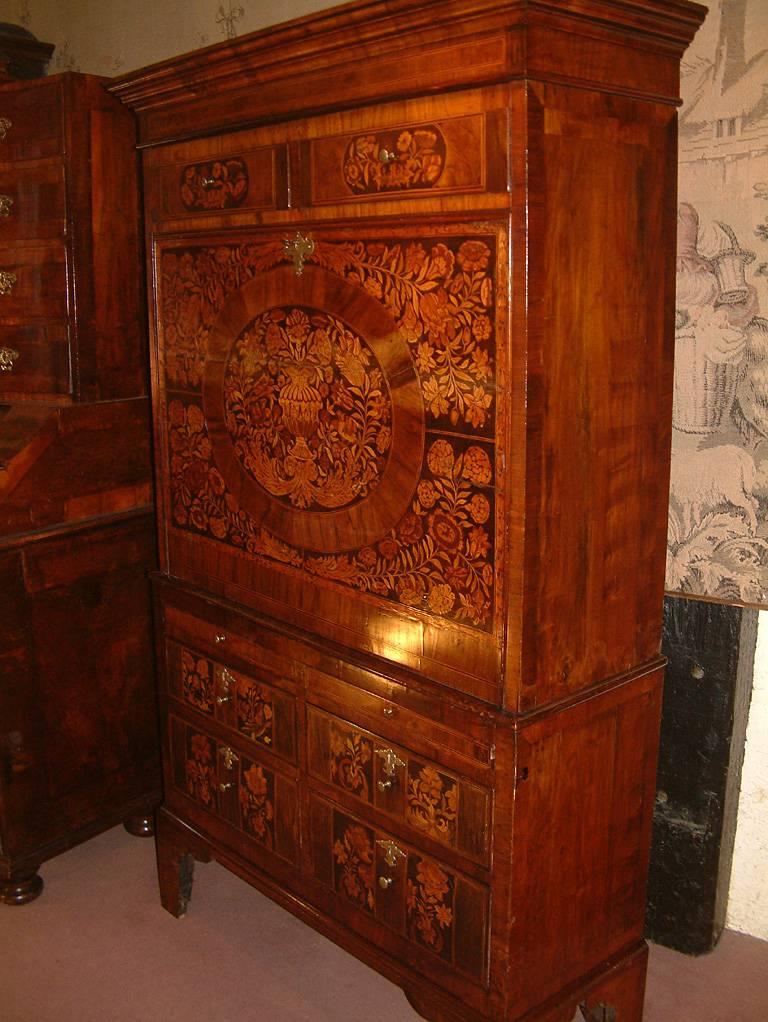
(78, 735)
(412, 289)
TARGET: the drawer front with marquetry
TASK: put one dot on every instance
(237, 789)
(435, 910)
(249, 706)
(405, 160)
(430, 800)
(217, 178)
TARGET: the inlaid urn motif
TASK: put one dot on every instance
(307, 408)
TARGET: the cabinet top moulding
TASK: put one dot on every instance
(372, 50)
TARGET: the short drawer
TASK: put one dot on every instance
(33, 281)
(34, 359)
(32, 203)
(439, 157)
(251, 796)
(431, 801)
(30, 121)
(247, 705)
(217, 180)
(384, 887)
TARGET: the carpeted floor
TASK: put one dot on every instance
(97, 947)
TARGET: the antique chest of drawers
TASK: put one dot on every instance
(411, 295)
(78, 735)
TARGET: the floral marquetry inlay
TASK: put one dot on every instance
(255, 711)
(197, 681)
(257, 802)
(433, 802)
(429, 905)
(219, 184)
(307, 408)
(351, 762)
(301, 412)
(354, 862)
(395, 160)
(200, 769)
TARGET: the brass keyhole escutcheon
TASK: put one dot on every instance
(298, 249)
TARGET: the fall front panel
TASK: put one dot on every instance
(329, 430)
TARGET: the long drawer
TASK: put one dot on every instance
(390, 891)
(430, 800)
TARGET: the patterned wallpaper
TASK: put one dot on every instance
(718, 513)
(109, 37)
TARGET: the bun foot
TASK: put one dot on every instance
(140, 826)
(19, 889)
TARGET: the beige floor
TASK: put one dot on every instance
(97, 947)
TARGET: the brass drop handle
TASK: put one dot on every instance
(390, 761)
(7, 280)
(218, 639)
(5, 125)
(229, 756)
(208, 182)
(389, 711)
(226, 785)
(392, 854)
(6, 201)
(386, 882)
(384, 785)
(387, 156)
(227, 680)
(7, 357)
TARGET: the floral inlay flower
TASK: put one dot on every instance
(256, 803)
(353, 852)
(429, 905)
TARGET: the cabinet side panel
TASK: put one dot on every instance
(602, 215)
(586, 781)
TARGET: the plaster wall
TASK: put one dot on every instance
(724, 179)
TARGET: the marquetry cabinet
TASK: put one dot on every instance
(412, 278)
(78, 733)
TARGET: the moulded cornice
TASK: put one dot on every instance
(350, 42)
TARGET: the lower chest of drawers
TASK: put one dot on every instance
(389, 840)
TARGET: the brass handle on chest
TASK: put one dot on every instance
(5, 125)
(390, 761)
(7, 280)
(226, 785)
(386, 882)
(6, 201)
(392, 854)
(387, 156)
(7, 357)
(227, 680)
(229, 756)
